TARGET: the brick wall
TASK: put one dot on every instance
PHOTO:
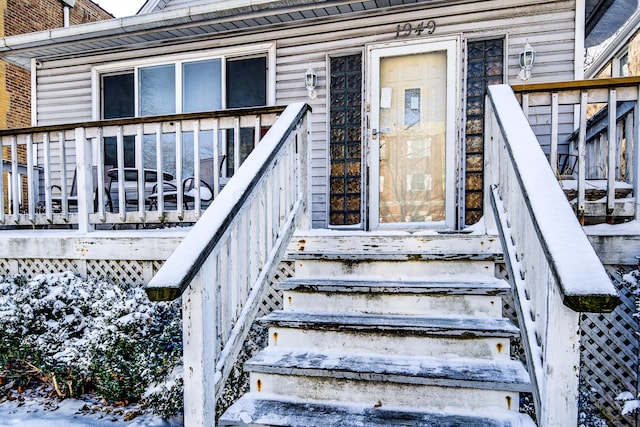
(26, 16)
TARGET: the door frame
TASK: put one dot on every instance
(374, 52)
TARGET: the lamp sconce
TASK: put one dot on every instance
(527, 58)
(310, 82)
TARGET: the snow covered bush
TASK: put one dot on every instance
(91, 336)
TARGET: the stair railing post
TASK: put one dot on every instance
(199, 332)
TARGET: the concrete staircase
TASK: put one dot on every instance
(377, 332)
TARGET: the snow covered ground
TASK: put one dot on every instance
(73, 413)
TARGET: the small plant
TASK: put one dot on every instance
(84, 336)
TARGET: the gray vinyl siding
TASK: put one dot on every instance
(547, 26)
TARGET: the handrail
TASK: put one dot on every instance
(607, 83)
(217, 114)
(553, 269)
(223, 267)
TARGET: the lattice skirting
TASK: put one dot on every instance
(124, 271)
(609, 355)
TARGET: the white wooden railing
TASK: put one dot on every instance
(57, 174)
(223, 267)
(552, 267)
(598, 163)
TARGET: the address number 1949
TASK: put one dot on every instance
(407, 29)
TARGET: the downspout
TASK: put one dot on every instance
(66, 8)
(66, 15)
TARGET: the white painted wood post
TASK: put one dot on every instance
(199, 341)
(561, 350)
(84, 180)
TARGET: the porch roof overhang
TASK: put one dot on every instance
(178, 25)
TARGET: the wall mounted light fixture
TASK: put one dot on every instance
(527, 58)
(310, 82)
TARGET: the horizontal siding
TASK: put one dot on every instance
(547, 25)
(64, 94)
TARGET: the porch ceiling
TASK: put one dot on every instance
(174, 26)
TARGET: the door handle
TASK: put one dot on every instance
(374, 133)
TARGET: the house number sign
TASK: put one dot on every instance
(407, 29)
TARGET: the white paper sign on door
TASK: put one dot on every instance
(385, 97)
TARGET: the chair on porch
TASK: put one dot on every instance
(189, 191)
(72, 198)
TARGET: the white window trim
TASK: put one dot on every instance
(615, 63)
(132, 65)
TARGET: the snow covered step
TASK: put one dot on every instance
(451, 284)
(444, 296)
(314, 243)
(392, 380)
(258, 409)
(391, 334)
(416, 268)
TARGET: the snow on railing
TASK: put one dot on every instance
(223, 267)
(552, 267)
(600, 178)
(138, 170)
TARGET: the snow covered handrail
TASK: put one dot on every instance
(224, 266)
(552, 266)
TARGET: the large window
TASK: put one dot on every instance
(183, 87)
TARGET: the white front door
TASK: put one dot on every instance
(412, 99)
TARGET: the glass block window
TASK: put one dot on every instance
(345, 141)
(485, 66)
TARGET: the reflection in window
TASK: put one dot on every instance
(157, 90)
(201, 84)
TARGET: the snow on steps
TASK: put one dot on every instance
(438, 296)
(265, 410)
(391, 334)
(380, 328)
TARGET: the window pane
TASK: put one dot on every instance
(247, 82)
(118, 96)
(157, 90)
(201, 86)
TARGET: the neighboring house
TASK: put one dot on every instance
(621, 55)
(20, 17)
(398, 180)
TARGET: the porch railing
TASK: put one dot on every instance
(552, 267)
(59, 174)
(597, 163)
(223, 267)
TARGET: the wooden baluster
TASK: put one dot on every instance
(160, 169)
(582, 135)
(142, 185)
(611, 164)
(46, 148)
(179, 177)
(553, 150)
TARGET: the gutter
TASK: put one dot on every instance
(144, 23)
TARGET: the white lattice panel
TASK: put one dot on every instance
(273, 300)
(609, 356)
(116, 271)
(30, 268)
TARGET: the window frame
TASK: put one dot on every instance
(265, 49)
